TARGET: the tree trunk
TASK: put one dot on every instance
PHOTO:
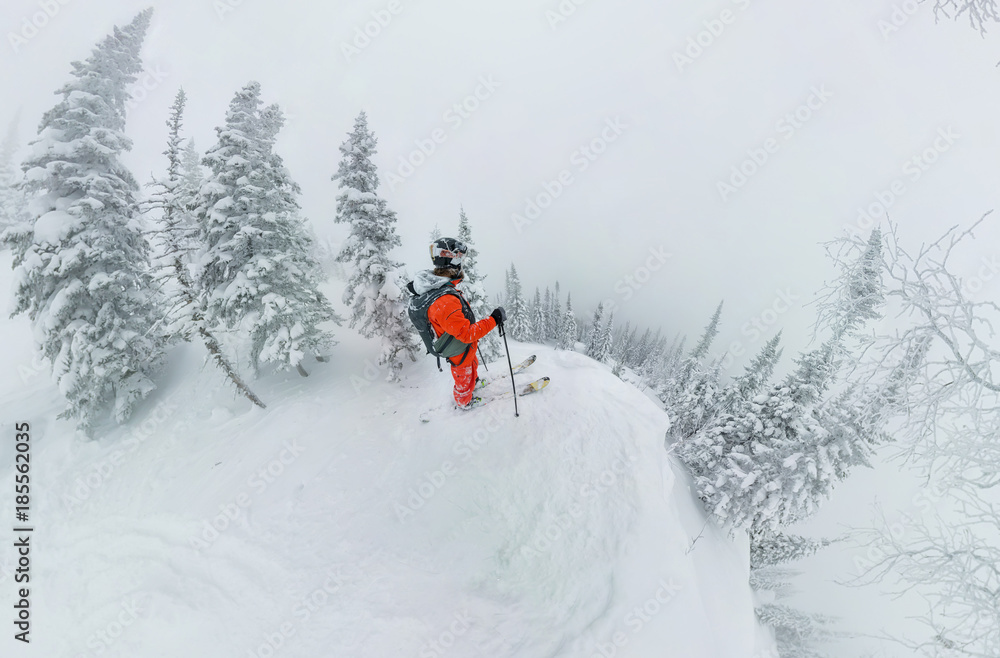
(211, 343)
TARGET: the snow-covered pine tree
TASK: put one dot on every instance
(607, 338)
(594, 334)
(691, 389)
(531, 332)
(82, 262)
(857, 295)
(654, 371)
(518, 319)
(192, 172)
(472, 286)
(623, 344)
(708, 337)
(436, 233)
(772, 582)
(567, 337)
(192, 178)
(176, 241)
(797, 633)
(555, 315)
(641, 351)
(694, 407)
(769, 549)
(773, 459)
(9, 146)
(537, 324)
(188, 194)
(256, 275)
(756, 375)
(759, 467)
(13, 200)
(375, 290)
(695, 362)
(546, 328)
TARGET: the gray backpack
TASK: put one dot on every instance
(447, 346)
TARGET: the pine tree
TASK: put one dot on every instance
(13, 200)
(175, 197)
(757, 373)
(797, 633)
(708, 336)
(546, 329)
(772, 582)
(256, 274)
(690, 387)
(191, 180)
(607, 338)
(473, 288)
(623, 344)
(537, 324)
(694, 364)
(862, 293)
(594, 335)
(192, 174)
(82, 261)
(775, 457)
(174, 240)
(188, 194)
(642, 349)
(375, 291)
(517, 310)
(567, 338)
(436, 233)
(556, 315)
(726, 436)
(775, 548)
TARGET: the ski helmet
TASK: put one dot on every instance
(447, 253)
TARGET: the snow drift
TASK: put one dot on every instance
(334, 523)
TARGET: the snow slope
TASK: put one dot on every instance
(335, 524)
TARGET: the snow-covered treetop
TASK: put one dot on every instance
(86, 128)
(109, 71)
(356, 169)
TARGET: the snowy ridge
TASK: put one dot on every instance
(345, 527)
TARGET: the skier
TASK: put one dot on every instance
(445, 321)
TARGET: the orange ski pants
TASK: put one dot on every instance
(465, 377)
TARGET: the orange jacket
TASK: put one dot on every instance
(446, 316)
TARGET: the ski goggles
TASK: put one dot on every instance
(455, 256)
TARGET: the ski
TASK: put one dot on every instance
(486, 381)
(527, 389)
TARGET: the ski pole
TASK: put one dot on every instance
(503, 332)
(481, 360)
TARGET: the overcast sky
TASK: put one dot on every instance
(547, 88)
(864, 102)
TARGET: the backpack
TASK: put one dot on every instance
(447, 346)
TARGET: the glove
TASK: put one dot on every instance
(499, 315)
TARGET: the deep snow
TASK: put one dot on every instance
(334, 523)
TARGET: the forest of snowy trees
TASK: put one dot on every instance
(217, 252)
